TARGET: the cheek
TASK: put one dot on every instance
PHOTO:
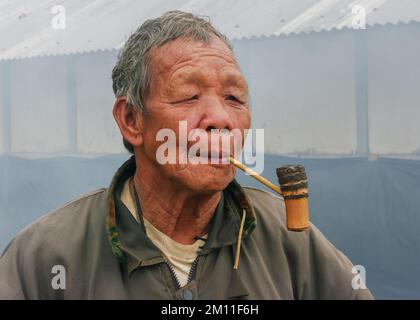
(246, 119)
(151, 128)
(242, 122)
(166, 120)
(241, 118)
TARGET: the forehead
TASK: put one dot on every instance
(181, 52)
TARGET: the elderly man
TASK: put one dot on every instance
(171, 231)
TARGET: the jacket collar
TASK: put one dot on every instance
(130, 243)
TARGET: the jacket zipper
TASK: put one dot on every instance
(191, 274)
(174, 276)
(193, 270)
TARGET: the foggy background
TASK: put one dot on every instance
(334, 89)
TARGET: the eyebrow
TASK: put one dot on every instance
(230, 79)
(234, 79)
(187, 77)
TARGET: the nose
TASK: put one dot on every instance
(216, 116)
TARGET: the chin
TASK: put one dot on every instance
(206, 179)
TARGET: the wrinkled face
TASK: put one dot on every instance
(201, 84)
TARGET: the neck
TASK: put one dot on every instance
(179, 213)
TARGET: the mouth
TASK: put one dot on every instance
(214, 157)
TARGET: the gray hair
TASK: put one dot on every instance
(131, 75)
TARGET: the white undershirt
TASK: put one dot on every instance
(180, 256)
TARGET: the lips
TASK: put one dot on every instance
(214, 150)
(214, 156)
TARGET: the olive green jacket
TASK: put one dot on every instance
(102, 252)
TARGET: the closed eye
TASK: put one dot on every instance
(192, 98)
(233, 98)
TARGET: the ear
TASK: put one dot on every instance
(129, 120)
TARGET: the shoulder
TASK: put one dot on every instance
(57, 238)
(270, 211)
(60, 231)
(66, 219)
(266, 201)
(321, 270)
(269, 208)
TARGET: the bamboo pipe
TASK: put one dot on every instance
(295, 192)
(255, 175)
